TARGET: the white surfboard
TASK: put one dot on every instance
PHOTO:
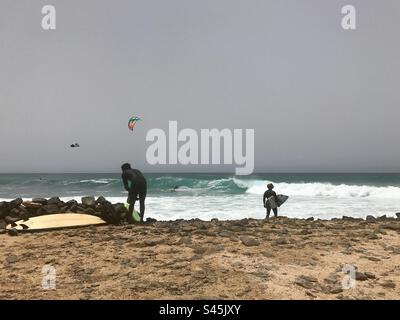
(275, 204)
(57, 221)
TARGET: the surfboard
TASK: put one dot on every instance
(275, 204)
(57, 221)
(135, 214)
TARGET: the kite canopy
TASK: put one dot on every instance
(132, 122)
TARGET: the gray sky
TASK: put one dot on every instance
(319, 98)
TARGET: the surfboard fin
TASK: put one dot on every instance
(24, 226)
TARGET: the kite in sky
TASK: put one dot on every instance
(132, 122)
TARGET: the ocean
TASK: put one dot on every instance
(225, 196)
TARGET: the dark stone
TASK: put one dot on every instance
(281, 241)
(54, 200)
(214, 220)
(310, 219)
(50, 208)
(370, 275)
(120, 208)
(40, 212)
(14, 213)
(360, 276)
(249, 242)
(101, 199)
(79, 209)
(12, 259)
(15, 203)
(388, 284)
(306, 282)
(370, 218)
(151, 220)
(3, 231)
(70, 203)
(40, 200)
(89, 202)
(398, 215)
(11, 220)
(64, 209)
(13, 232)
(90, 211)
(3, 224)
(151, 243)
(384, 217)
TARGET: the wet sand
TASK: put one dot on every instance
(247, 259)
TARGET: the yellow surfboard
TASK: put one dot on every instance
(57, 221)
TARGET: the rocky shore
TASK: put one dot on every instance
(279, 258)
(17, 209)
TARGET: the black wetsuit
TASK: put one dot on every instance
(137, 188)
(268, 194)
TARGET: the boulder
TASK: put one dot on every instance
(31, 205)
(398, 215)
(89, 202)
(90, 211)
(3, 224)
(15, 203)
(101, 199)
(50, 209)
(370, 218)
(249, 242)
(310, 219)
(11, 220)
(151, 220)
(42, 201)
(55, 200)
(13, 232)
(120, 208)
(360, 276)
(71, 203)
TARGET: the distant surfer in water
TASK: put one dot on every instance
(137, 188)
(268, 194)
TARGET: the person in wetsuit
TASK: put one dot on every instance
(137, 189)
(267, 194)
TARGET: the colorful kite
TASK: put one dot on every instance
(132, 122)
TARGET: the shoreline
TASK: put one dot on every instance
(279, 258)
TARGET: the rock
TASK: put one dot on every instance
(151, 243)
(398, 215)
(388, 284)
(281, 241)
(332, 279)
(50, 208)
(384, 217)
(360, 276)
(3, 224)
(70, 203)
(395, 227)
(370, 275)
(54, 200)
(3, 231)
(90, 211)
(120, 208)
(31, 205)
(370, 218)
(214, 220)
(15, 203)
(13, 232)
(306, 282)
(151, 220)
(12, 258)
(335, 290)
(101, 199)
(11, 220)
(64, 209)
(89, 202)
(310, 219)
(41, 201)
(199, 250)
(249, 242)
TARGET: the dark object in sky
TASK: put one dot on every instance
(75, 145)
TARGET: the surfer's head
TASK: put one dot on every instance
(270, 186)
(126, 166)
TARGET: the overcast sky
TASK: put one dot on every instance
(319, 98)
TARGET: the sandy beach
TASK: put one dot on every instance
(244, 259)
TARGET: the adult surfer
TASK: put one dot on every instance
(268, 194)
(137, 187)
